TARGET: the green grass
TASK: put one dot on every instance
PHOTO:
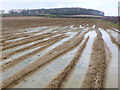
(112, 23)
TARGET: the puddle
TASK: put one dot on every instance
(87, 25)
(81, 68)
(40, 78)
(18, 55)
(70, 33)
(86, 29)
(23, 64)
(66, 27)
(28, 51)
(116, 30)
(13, 49)
(93, 26)
(115, 35)
(113, 65)
(39, 33)
(16, 39)
(81, 26)
(32, 30)
(36, 28)
(26, 45)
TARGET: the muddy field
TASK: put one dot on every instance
(58, 53)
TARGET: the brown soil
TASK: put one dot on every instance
(22, 22)
(52, 54)
(99, 61)
(114, 40)
(59, 80)
(9, 37)
(8, 55)
(27, 40)
(97, 68)
(19, 59)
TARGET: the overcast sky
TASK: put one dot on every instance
(109, 7)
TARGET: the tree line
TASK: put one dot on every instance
(52, 12)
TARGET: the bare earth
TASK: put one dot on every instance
(58, 52)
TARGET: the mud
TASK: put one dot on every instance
(77, 77)
(59, 80)
(55, 52)
(27, 40)
(97, 68)
(29, 47)
(14, 61)
(114, 40)
(40, 76)
(50, 56)
(112, 70)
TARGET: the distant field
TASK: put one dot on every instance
(59, 52)
(25, 22)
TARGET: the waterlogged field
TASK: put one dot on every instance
(59, 53)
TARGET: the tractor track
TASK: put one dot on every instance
(59, 53)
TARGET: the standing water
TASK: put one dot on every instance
(10, 71)
(112, 72)
(78, 74)
(43, 76)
